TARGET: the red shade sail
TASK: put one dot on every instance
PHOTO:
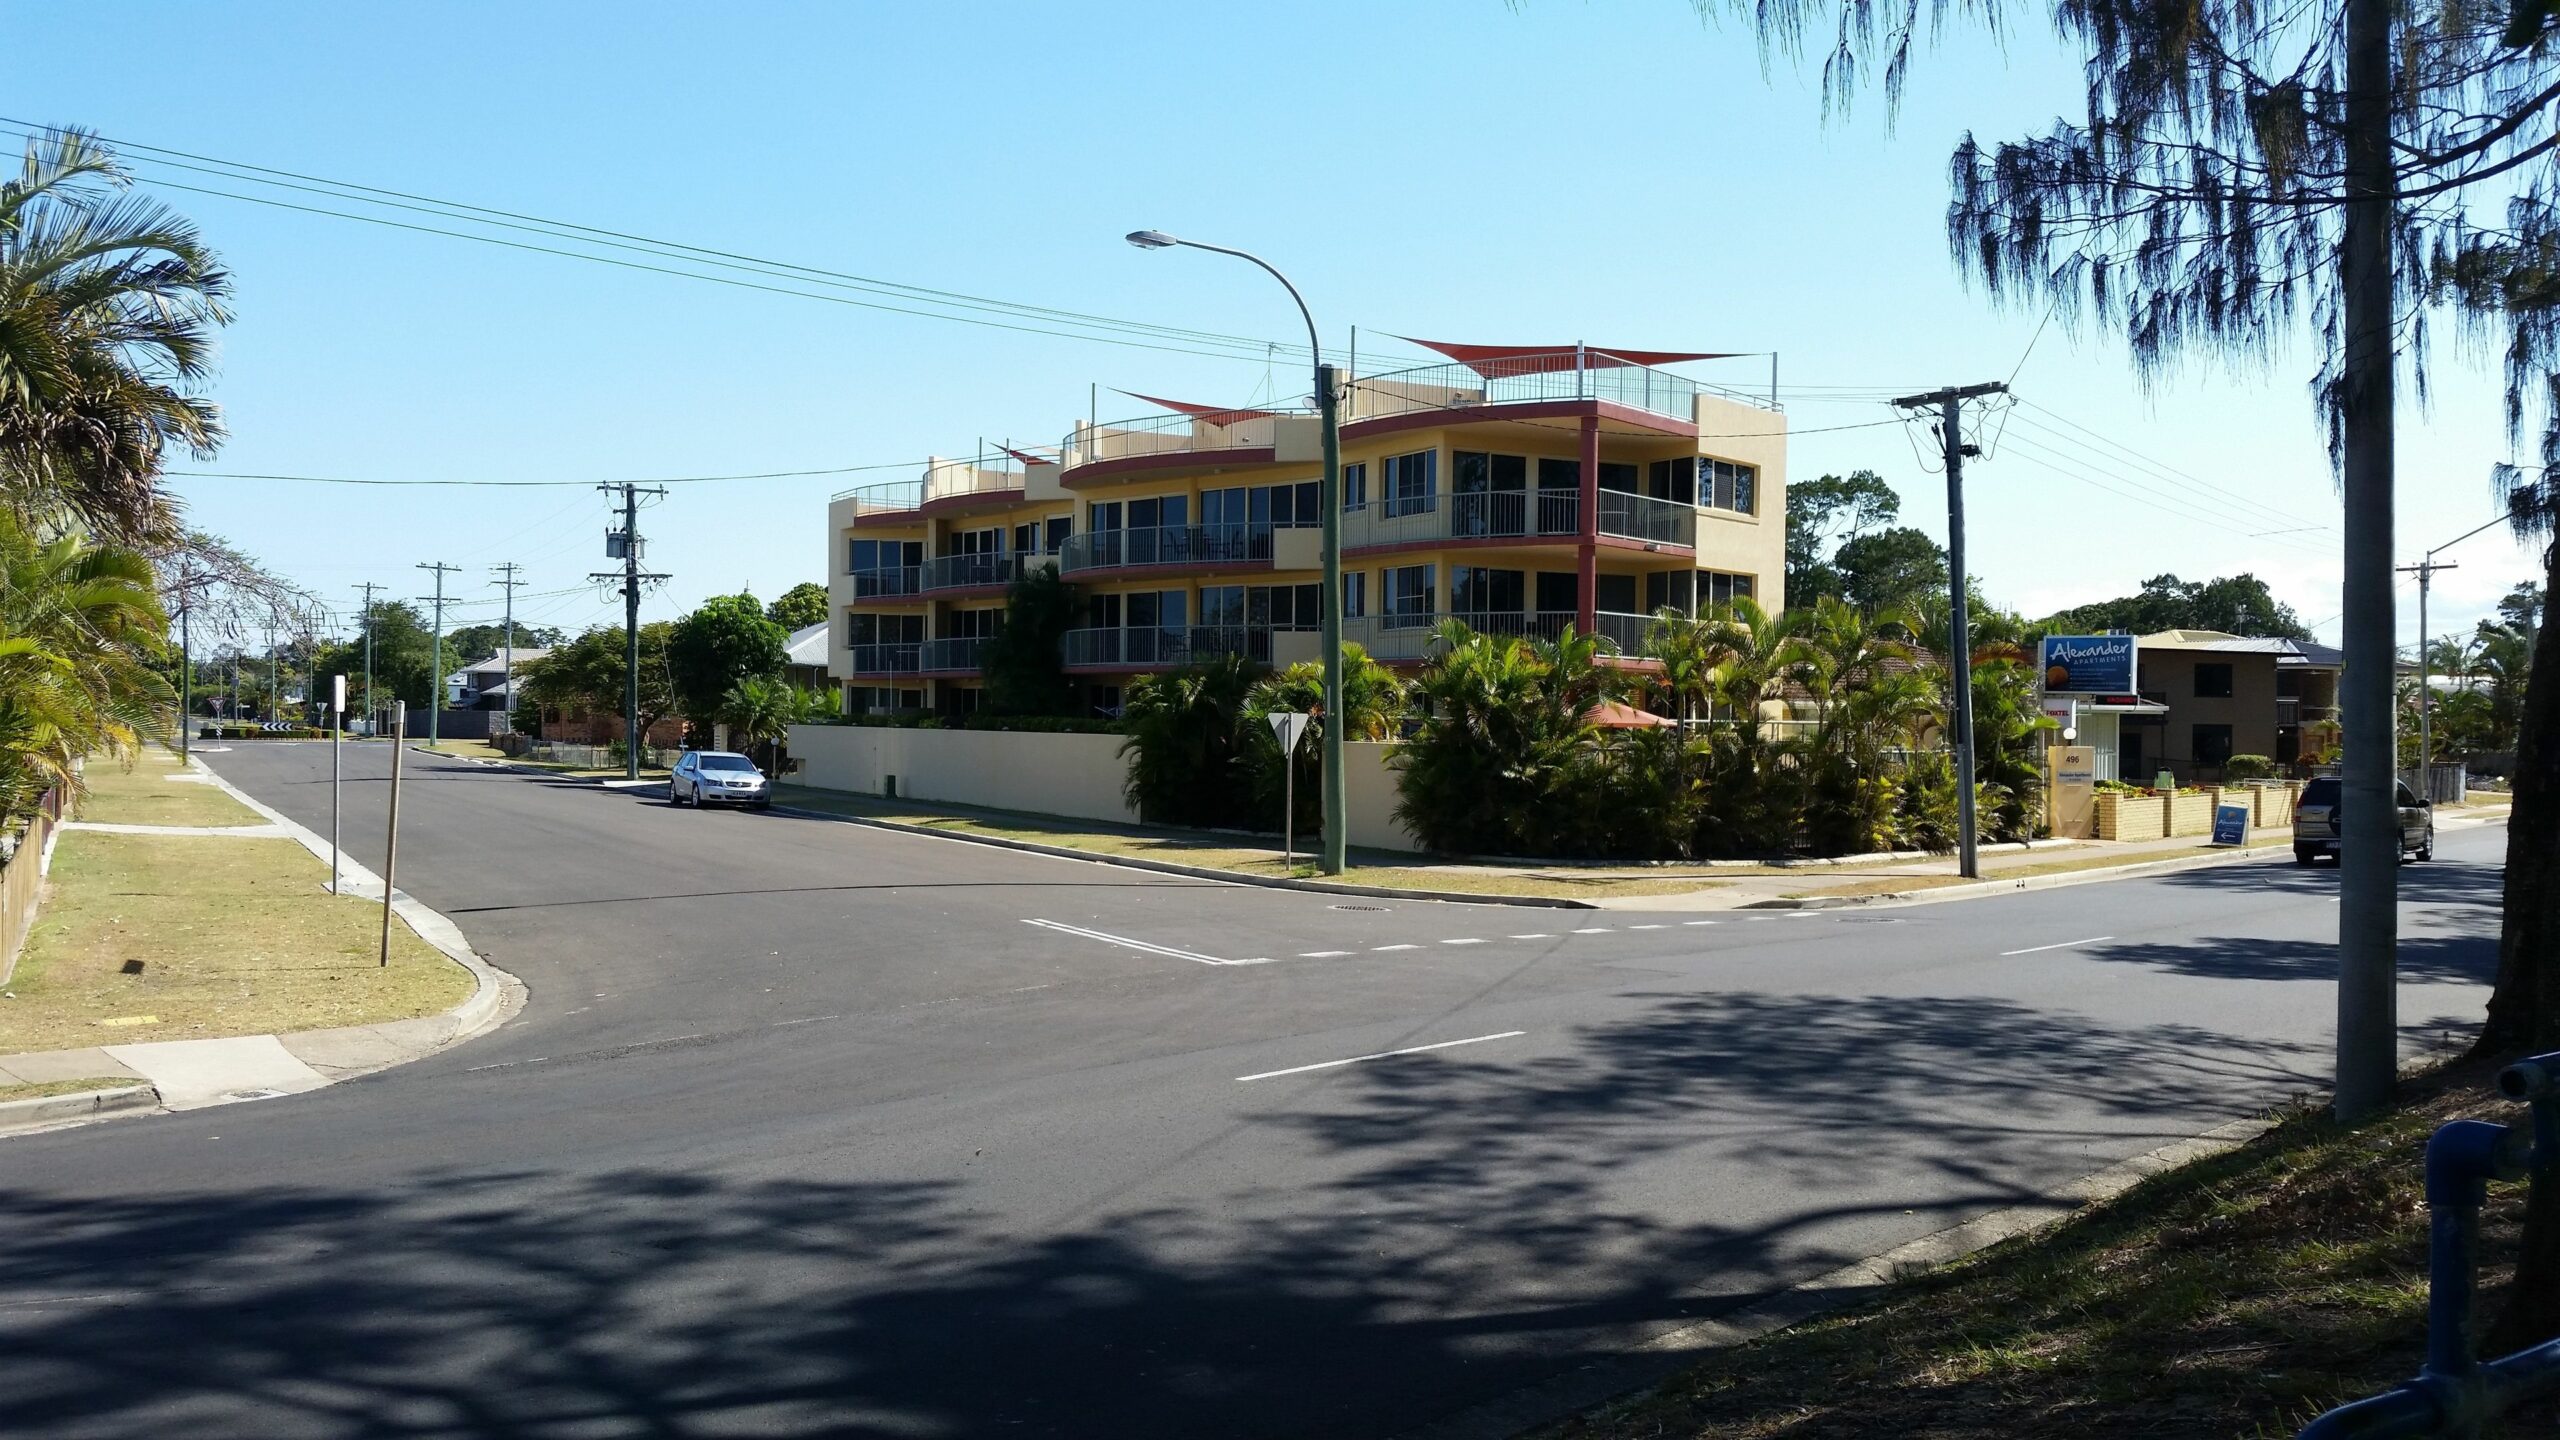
(1613, 715)
(1209, 413)
(1492, 361)
(1027, 458)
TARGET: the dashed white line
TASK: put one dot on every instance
(814, 1019)
(1379, 1055)
(1382, 949)
(1122, 940)
(1321, 954)
(1542, 935)
(1697, 922)
(1648, 927)
(2064, 945)
(1461, 942)
(1595, 930)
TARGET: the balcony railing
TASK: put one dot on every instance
(1550, 514)
(1409, 635)
(960, 572)
(1531, 379)
(1247, 544)
(887, 581)
(894, 658)
(1173, 435)
(1641, 517)
(1153, 645)
(941, 480)
(953, 654)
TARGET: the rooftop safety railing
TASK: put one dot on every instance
(941, 480)
(1532, 379)
(1173, 435)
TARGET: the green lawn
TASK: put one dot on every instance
(2236, 1296)
(40, 1089)
(157, 789)
(186, 937)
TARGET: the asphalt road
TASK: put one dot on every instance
(810, 1129)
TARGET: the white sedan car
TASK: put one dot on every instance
(718, 777)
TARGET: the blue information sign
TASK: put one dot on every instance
(2230, 824)
(2088, 664)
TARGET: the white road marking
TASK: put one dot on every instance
(1380, 1055)
(1594, 930)
(1123, 940)
(811, 1020)
(1321, 954)
(1697, 922)
(1542, 935)
(2065, 945)
(1648, 927)
(1799, 915)
(1461, 942)
(1382, 949)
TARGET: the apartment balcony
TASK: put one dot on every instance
(953, 655)
(981, 572)
(895, 658)
(1148, 647)
(955, 481)
(1195, 434)
(887, 582)
(1541, 515)
(1529, 380)
(1215, 546)
(2291, 711)
(1412, 636)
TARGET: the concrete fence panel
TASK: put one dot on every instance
(1077, 777)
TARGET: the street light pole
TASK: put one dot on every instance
(1329, 498)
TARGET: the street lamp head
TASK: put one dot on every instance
(1151, 239)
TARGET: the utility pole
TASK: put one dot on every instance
(435, 682)
(1950, 404)
(2425, 570)
(625, 544)
(507, 644)
(368, 588)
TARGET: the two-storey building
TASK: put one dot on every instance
(1518, 490)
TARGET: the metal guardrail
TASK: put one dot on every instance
(1246, 544)
(1532, 379)
(1549, 514)
(1168, 645)
(904, 657)
(2456, 1391)
(941, 480)
(887, 581)
(952, 653)
(1173, 435)
(960, 572)
(1641, 517)
(1414, 636)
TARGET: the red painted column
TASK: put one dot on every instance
(1588, 591)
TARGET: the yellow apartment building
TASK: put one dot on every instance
(1518, 490)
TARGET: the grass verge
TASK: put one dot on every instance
(188, 937)
(483, 750)
(158, 789)
(1368, 867)
(41, 1089)
(2239, 1295)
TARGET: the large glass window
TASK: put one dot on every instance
(1411, 482)
(1723, 485)
(1559, 592)
(1479, 590)
(1618, 476)
(2213, 681)
(1355, 594)
(1355, 486)
(1285, 607)
(1717, 588)
(1674, 480)
(861, 555)
(1406, 596)
(2212, 744)
(1221, 604)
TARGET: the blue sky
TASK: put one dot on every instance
(1617, 173)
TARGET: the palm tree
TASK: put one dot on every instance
(1373, 707)
(1186, 736)
(108, 304)
(760, 712)
(80, 626)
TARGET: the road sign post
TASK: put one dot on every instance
(1286, 727)
(337, 735)
(391, 845)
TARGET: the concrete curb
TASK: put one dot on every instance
(1194, 872)
(46, 1111)
(1629, 1379)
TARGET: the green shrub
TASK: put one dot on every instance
(2247, 767)
(1186, 745)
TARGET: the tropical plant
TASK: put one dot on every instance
(1868, 699)
(108, 304)
(80, 628)
(1023, 661)
(1373, 700)
(1505, 724)
(723, 643)
(1187, 744)
(799, 607)
(588, 676)
(760, 712)
(2240, 769)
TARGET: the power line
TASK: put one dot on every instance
(2161, 469)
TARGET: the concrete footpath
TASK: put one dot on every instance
(192, 1074)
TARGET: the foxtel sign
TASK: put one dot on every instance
(2088, 664)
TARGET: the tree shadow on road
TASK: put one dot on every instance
(1347, 1254)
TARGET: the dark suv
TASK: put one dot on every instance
(2317, 822)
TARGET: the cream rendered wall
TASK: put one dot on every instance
(1748, 544)
(1370, 787)
(1076, 776)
